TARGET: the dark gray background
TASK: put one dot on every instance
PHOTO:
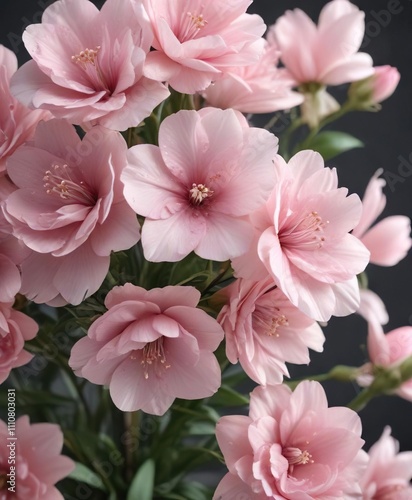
(387, 136)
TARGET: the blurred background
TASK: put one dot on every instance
(387, 136)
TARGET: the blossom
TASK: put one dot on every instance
(17, 123)
(38, 461)
(196, 40)
(263, 330)
(12, 250)
(197, 188)
(302, 239)
(389, 472)
(260, 87)
(151, 347)
(69, 209)
(389, 351)
(389, 240)
(15, 329)
(93, 70)
(291, 446)
(327, 53)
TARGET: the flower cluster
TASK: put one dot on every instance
(184, 240)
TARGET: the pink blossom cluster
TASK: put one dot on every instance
(36, 464)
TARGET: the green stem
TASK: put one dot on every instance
(343, 110)
(341, 373)
(216, 280)
(131, 421)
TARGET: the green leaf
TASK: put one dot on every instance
(194, 491)
(83, 474)
(226, 396)
(330, 144)
(143, 482)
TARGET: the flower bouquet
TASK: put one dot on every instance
(167, 258)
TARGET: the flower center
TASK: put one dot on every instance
(268, 320)
(154, 355)
(190, 26)
(87, 59)
(295, 456)
(199, 193)
(60, 181)
(307, 233)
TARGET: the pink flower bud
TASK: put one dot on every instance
(384, 81)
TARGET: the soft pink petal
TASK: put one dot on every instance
(172, 239)
(389, 240)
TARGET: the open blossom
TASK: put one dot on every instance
(151, 347)
(196, 190)
(196, 40)
(263, 330)
(389, 350)
(302, 239)
(69, 209)
(17, 122)
(389, 240)
(15, 329)
(389, 472)
(291, 446)
(260, 87)
(326, 53)
(39, 463)
(93, 70)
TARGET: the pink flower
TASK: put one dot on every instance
(389, 240)
(292, 446)
(93, 70)
(151, 347)
(264, 330)
(389, 472)
(38, 462)
(69, 208)
(390, 351)
(197, 188)
(260, 87)
(384, 82)
(196, 40)
(302, 239)
(327, 53)
(17, 123)
(15, 329)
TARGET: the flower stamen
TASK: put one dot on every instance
(295, 456)
(60, 181)
(153, 353)
(190, 27)
(307, 232)
(199, 193)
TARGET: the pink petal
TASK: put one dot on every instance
(389, 240)
(231, 486)
(80, 274)
(119, 232)
(172, 239)
(225, 237)
(148, 186)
